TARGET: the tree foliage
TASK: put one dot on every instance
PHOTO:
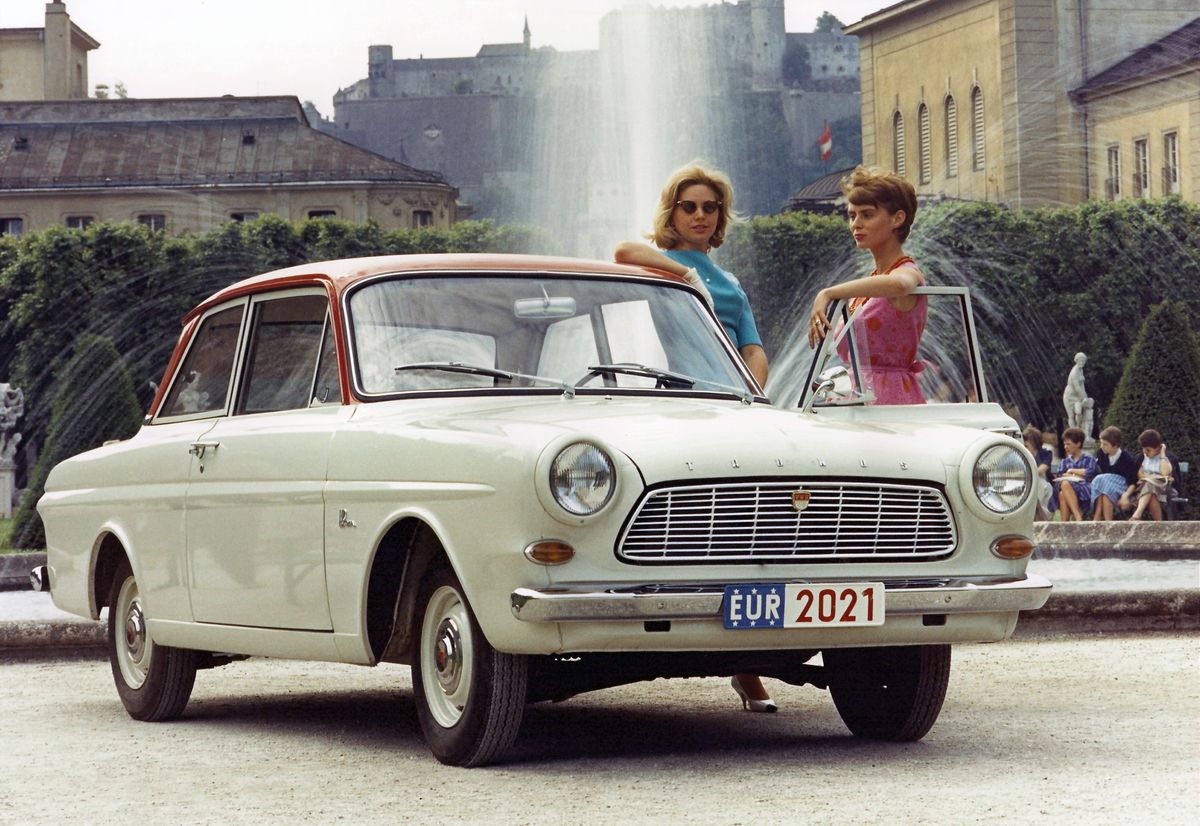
(1045, 283)
(94, 402)
(132, 286)
(1160, 388)
(827, 23)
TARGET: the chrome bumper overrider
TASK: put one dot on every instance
(703, 602)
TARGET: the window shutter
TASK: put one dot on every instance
(926, 144)
(977, 159)
(951, 137)
(898, 143)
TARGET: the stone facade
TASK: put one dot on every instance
(969, 98)
(189, 164)
(1143, 120)
(48, 63)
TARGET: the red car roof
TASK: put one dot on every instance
(340, 274)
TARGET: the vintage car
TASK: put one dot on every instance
(533, 477)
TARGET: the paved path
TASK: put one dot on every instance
(1052, 731)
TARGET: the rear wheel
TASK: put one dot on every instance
(153, 681)
(893, 693)
(470, 697)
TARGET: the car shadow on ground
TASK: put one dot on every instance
(585, 728)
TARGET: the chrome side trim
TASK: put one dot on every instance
(703, 602)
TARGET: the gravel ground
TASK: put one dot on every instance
(1062, 730)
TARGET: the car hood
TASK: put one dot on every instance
(704, 439)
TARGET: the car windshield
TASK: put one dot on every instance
(467, 332)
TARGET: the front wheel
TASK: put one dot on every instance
(893, 693)
(470, 697)
(153, 681)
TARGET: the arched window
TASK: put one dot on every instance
(926, 160)
(977, 158)
(951, 137)
(898, 143)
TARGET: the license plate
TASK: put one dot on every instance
(795, 605)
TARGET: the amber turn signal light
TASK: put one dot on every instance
(549, 552)
(1012, 547)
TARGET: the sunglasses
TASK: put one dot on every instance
(689, 207)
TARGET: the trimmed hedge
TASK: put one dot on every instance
(95, 402)
(1160, 390)
(1045, 284)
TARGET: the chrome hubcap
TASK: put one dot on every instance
(448, 655)
(135, 631)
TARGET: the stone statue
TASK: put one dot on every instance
(12, 405)
(1077, 402)
(8, 447)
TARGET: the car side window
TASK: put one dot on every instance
(283, 350)
(202, 383)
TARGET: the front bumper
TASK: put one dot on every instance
(963, 595)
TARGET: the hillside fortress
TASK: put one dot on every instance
(722, 82)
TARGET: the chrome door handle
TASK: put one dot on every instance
(198, 448)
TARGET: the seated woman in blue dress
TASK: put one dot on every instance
(1116, 477)
(1072, 486)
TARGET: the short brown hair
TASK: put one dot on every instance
(876, 187)
(1073, 434)
(1032, 434)
(1150, 438)
(664, 235)
(1112, 435)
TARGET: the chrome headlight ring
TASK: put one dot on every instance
(582, 478)
(1002, 479)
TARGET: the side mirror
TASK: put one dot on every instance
(831, 381)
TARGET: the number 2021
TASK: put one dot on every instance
(823, 606)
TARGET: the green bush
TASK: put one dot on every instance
(95, 402)
(1160, 390)
(1045, 283)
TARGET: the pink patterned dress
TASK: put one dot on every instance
(888, 338)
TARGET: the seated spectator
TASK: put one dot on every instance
(1072, 493)
(1154, 477)
(1116, 477)
(1042, 459)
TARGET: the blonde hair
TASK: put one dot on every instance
(664, 235)
(879, 188)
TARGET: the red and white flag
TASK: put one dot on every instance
(826, 143)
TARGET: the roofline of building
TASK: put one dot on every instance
(1088, 93)
(88, 40)
(202, 185)
(885, 15)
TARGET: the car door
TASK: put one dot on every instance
(197, 396)
(255, 503)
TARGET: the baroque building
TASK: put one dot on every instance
(186, 165)
(670, 84)
(973, 98)
(48, 63)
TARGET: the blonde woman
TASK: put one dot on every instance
(694, 211)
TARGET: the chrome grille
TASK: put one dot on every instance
(756, 522)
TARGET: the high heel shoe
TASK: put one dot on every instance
(766, 706)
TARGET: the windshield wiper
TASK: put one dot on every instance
(491, 372)
(664, 379)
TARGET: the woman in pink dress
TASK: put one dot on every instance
(888, 319)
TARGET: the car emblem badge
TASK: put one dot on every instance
(800, 499)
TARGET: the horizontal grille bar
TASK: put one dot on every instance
(757, 522)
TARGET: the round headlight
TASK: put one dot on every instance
(1002, 478)
(582, 478)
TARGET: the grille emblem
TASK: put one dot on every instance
(800, 499)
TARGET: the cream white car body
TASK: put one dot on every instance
(268, 533)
